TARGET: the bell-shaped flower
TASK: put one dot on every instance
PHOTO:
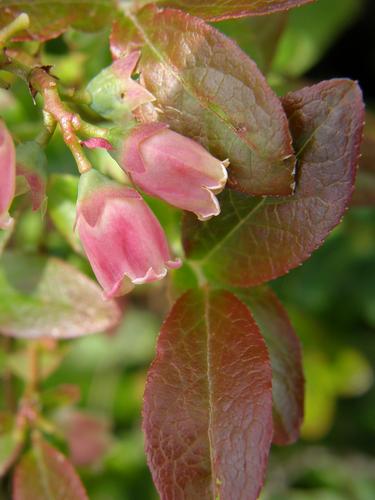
(114, 94)
(7, 175)
(174, 168)
(122, 238)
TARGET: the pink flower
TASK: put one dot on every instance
(122, 238)
(175, 168)
(7, 175)
(113, 91)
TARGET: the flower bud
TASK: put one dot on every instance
(114, 93)
(174, 168)
(122, 238)
(7, 175)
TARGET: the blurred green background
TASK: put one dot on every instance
(331, 298)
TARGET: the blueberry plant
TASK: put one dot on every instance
(181, 114)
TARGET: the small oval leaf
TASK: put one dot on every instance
(207, 411)
(42, 297)
(45, 474)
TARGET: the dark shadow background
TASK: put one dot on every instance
(353, 55)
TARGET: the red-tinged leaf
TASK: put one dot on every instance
(88, 436)
(208, 89)
(50, 19)
(256, 240)
(364, 194)
(286, 361)
(224, 9)
(45, 474)
(42, 297)
(208, 403)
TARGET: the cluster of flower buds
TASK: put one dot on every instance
(123, 240)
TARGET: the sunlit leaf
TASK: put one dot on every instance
(42, 297)
(45, 474)
(256, 240)
(285, 353)
(215, 10)
(208, 406)
(208, 89)
(50, 19)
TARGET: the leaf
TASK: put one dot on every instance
(10, 442)
(310, 31)
(216, 10)
(364, 194)
(42, 297)
(45, 474)
(207, 411)
(208, 89)
(48, 19)
(256, 240)
(62, 199)
(257, 36)
(286, 361)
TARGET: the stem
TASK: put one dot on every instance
(48, 131)
(21, 23)
(69, 122)
(93, 130)
(33, 352)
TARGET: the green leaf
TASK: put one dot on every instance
(208, 89)
(45, 474)
(257, 239)
(208, 407)
(310, 32)
(257, 36)
(10, 443)
(42, 297)
(286, 361)
(50, 18)
(226, 9)
(62, 199)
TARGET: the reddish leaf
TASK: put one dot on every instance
(88, 436)
(50, 19)
(42, 297)
(208, 89)
(256, 240)
(285, 353)
(208, 406)
(45, 474)
(224, 9)
(364, 194)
